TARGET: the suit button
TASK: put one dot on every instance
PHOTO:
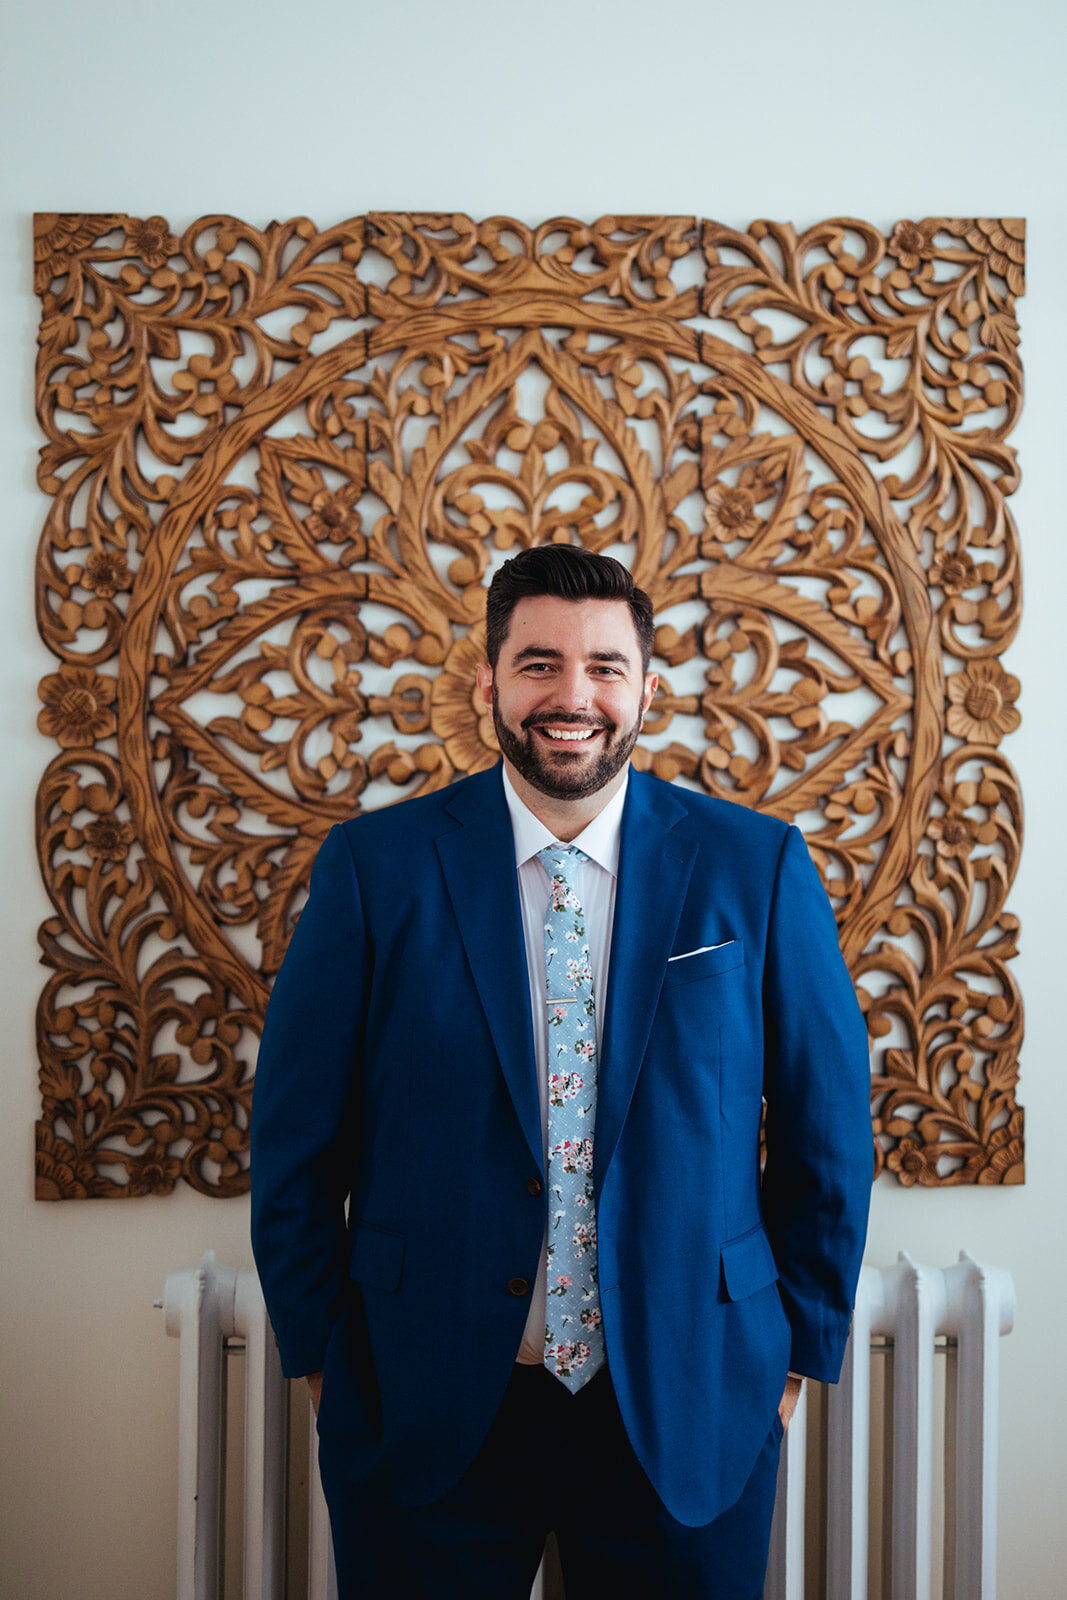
(518, 1287)
(533, 1186)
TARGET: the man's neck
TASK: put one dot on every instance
(564, 819)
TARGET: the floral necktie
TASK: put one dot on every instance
(574, 1334)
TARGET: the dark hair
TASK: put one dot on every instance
(571, 573)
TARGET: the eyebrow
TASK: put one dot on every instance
(545, 653)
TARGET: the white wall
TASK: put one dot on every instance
(265, 110)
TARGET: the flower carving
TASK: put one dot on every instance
(1003, 241)
(913, 1162)
(108, 838)
(982, 702)
(156, 1175)
(954, 572)
(77, 706)
(1003, 1162)
(106, 573)
(730, 513)
(56, 238)
(954, 832)
(334, 518)
(457, 714)
(61, 1172)
(912, 242)
(152, 240)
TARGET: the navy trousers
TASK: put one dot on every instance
(560, 1462)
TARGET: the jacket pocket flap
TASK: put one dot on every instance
(377, 1256)
(748, 1264)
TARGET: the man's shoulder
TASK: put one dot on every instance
(727, 819)
(422, 816)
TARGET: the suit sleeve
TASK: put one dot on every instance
(304, 1109)
(819, 1168)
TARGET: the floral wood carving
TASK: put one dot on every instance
(283, 464)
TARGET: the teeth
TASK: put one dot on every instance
(569, 734)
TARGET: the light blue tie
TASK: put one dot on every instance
(574, 1334)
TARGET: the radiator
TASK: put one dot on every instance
(907, 1316)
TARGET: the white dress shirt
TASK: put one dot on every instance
(595, 887)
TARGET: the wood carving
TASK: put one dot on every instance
(283, 464)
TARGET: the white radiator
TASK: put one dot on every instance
(911, 1314)
(908, 1311)
(208, 1307)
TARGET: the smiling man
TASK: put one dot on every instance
(525, 1029)
(569, 689)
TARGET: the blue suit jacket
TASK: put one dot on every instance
(397, 1070)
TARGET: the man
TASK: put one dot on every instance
(526, 1025)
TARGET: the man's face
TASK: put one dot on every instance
(568, 694)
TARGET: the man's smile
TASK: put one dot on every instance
(564, 735)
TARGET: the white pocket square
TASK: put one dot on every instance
(703, 948)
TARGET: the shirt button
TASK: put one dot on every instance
(518, 1287)
(533, 1186)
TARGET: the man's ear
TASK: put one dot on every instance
(485, 686)
(651, 685)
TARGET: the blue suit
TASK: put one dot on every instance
(397, 1067)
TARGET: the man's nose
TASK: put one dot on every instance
(573, 689)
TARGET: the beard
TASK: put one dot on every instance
(565, 776)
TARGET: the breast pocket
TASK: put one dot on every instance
(705, 963)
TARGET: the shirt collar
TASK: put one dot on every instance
(599, 840)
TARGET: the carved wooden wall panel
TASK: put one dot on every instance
(282, 465)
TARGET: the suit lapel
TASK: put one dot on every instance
(655, 866)
(478, 861)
